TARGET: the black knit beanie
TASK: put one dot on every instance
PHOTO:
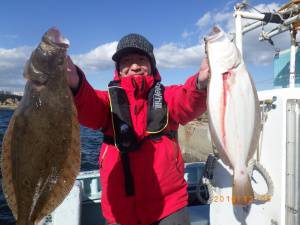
(134, 43)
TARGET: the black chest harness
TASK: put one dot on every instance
(125, 138)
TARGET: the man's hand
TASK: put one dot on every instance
(204, 74)
(72, 77)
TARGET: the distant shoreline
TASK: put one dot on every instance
(12, 107)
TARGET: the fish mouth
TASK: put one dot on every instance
(214, 34)
(54, 37)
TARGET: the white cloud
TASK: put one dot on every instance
(255, 51)
(12, 63)
(222, 17)
(226, 19)
(186, 34)
(11, 67)
(204, 20)
(266, 7)
(262, 52)
(167, 56)
(12, 58)
(172, 56)
(98, 58)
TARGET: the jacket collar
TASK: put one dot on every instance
(137, 85)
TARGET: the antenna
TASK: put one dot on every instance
(286, 18)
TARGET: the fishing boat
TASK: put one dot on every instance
(274, 169)
(83, 204)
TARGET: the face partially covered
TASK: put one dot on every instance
(134, 64)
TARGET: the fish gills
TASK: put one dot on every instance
(233, 111)
(41, 147)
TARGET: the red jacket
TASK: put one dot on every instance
(157, 167)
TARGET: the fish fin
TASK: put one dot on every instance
(68, 173)
(6, 169)
(258, 126)
(242, 192)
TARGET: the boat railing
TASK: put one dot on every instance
(91, 188)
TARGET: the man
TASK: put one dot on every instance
(141, 166)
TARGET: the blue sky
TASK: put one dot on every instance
(175, 27)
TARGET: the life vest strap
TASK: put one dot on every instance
(172, 134)
(129, 184)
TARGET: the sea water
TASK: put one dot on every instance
(90, 144)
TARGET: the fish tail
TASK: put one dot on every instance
(242, 192)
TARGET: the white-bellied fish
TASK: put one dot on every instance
(233, 110)
(41, 147)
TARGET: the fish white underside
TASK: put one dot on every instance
(233, 111)
(232, 108)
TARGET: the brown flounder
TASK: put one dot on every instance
(41, 147)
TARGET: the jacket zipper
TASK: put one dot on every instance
(102, 158)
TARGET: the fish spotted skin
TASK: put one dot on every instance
(41, 147)
(233, 111)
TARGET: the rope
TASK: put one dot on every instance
(254, 165)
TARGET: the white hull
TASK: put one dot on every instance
(279, 155)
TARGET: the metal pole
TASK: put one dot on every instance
(238, 32)
(293, 58)
(291, 20)
(252, 26)
(274, 32)
(250, 15)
